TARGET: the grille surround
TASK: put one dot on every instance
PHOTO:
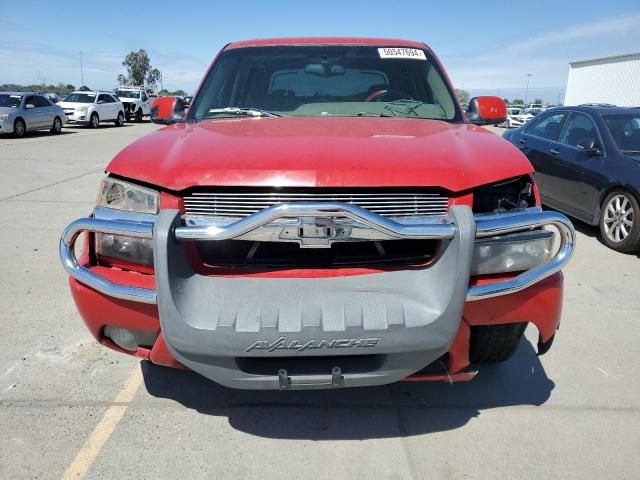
(385, 202)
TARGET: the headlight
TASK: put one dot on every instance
(4, 116)
(82, 109)
(121, 195)
(515, 252)
(128, 249)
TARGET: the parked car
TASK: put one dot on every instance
(334, 222)
(587, 162)
(26, 112)
(516, 117)
(52, 97)
(536, 106)
(136, 101)
(91, 108)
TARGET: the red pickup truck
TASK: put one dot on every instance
(323, 215)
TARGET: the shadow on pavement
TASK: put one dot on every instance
(35, 134)
(103, 125)
(401, 409)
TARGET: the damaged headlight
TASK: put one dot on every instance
(515, 252)
(121, 195)
(505, 196)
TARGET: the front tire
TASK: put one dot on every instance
(94, 120)
(139, 115)
(620, 221)
(120, 119)
(56, 128)
(495, 343)
(19, 128)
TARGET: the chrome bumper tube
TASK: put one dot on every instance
(492, 225)
(438, 229)
(443, 229)
(84, 275)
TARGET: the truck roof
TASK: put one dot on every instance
(387, 42)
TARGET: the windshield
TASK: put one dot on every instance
(128, 93)
(625, 130)
(10, 100)
(326, 81)
(516, 111)
(80, 97)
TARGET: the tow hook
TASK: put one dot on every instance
(310, 382)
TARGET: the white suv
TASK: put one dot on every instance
(91, 108)
(136, 101)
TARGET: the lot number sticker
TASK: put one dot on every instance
(410, 53)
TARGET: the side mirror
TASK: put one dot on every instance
(588, 146)
(167, 110)
(487, 110)
(100, 102)
(29, 106)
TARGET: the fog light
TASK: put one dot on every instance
(516, 252)
(129, 249)
(130, 339)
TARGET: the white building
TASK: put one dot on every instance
(614, 79)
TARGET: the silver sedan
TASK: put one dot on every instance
(25, 112)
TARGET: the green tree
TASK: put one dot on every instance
(517, 101)
(538, 100)
(463, 95)
(153, 77)
(139, 70)
(62, 88)
(176, 93)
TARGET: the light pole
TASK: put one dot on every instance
(526, 95)
(81, 72)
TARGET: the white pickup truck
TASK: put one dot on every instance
(136, 102)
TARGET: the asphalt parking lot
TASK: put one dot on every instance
(69, 406)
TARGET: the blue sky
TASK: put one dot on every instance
(487, 47)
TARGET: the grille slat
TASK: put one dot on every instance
(386, 203)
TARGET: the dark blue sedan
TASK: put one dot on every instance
(587, 162)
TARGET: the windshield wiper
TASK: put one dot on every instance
(247, 112)
(372, 114)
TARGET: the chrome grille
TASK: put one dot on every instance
(385, 203)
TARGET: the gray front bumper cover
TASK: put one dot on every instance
(399, 320)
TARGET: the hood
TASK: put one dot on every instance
(8, 110)
(72, 105)
(128, 100)
(320, 152)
